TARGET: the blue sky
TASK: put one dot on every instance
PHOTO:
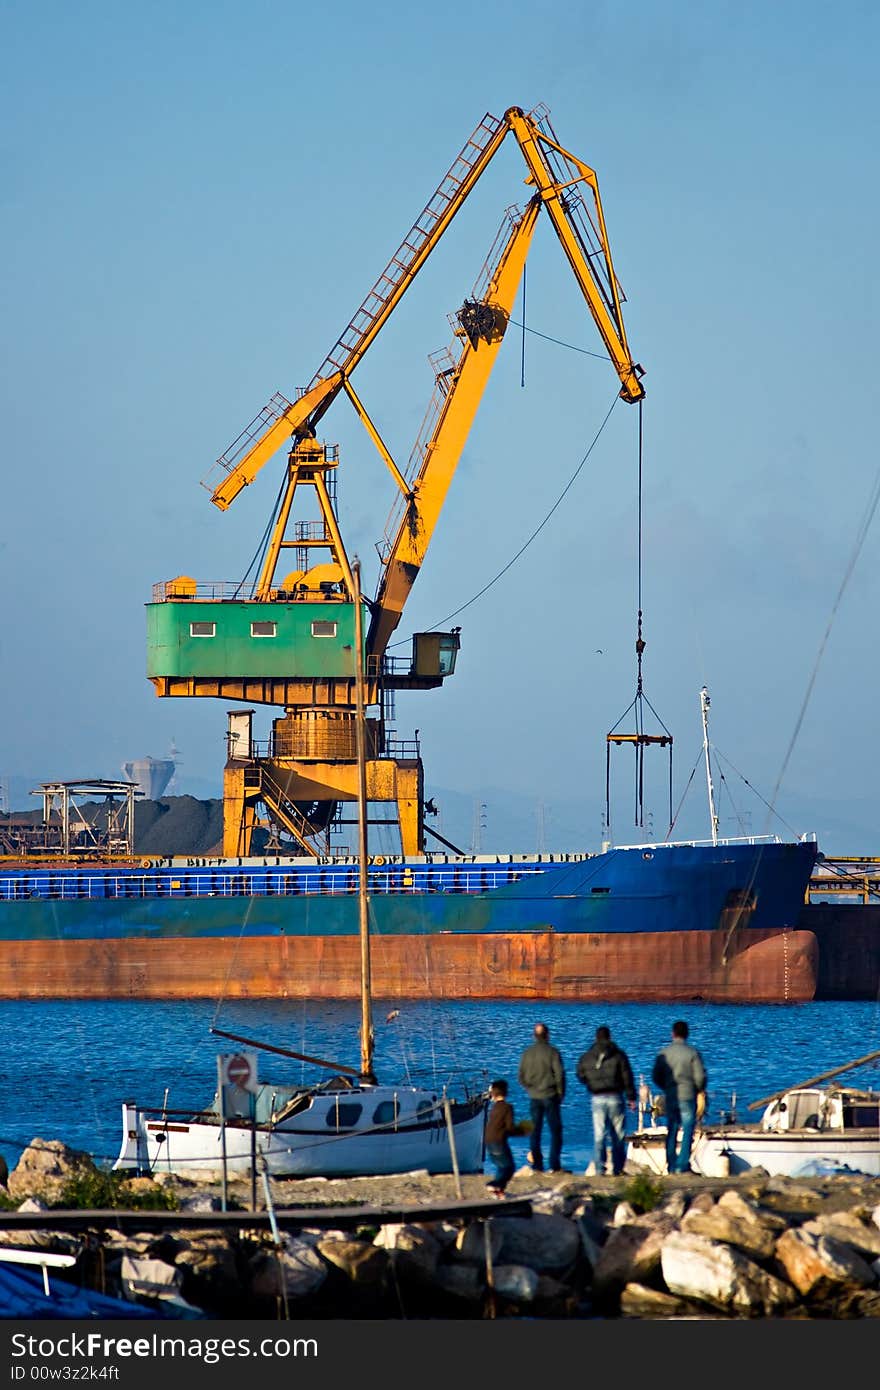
(197, 197)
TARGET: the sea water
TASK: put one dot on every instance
(68, 1065)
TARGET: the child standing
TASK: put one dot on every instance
(499, 1126)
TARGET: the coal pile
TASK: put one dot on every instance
(178, 825)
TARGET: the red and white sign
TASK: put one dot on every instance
(240, 1069)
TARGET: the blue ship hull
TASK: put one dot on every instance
(109, 930)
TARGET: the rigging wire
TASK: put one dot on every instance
(537, 531)
(684, 794)
(754, 789)
(558, 341)
(861, 537)
(640, 740)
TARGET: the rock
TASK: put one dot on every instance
(294, 1271)
(732, 1227)
(546, 1243)
(516, 1282)
(701, 1202)
(417, 1264)
(624, 1214)
(818, 1265)
(848, 1229)
(590, 1248)
(676, 1204)
(556, 1298)
(200, 1202)
(554, 1201)
(697, 1268)
(415, 1251)
(640, 1301)
(362, 1262)
(45, 1169)
(470, 1243)
(791, 1197)
(461, 1281)
(631, 1254)
(210, 1271)
(858, 1305)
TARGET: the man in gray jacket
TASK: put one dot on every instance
(679, 1070)
(542, 1075)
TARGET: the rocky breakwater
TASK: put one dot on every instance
(591, 1247)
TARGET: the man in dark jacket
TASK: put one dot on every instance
(542, 1075)
(607, 1075)
(680, 1071)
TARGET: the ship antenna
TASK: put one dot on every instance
(704, 710)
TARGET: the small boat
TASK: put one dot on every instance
(346, 1125)
(808, 1129)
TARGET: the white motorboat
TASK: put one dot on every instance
(807, 1129)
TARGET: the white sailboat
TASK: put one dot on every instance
(349, 1125)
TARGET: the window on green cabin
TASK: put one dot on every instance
(262, 629)
(322, 628)
(202, 629)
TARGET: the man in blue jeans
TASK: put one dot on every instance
(679, 1070)
(605, 1071)
(542, 1076)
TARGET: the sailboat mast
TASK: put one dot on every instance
(704, 710)
(363, 899)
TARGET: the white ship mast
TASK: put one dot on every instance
(704, 711)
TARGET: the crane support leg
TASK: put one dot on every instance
(410, 804)
(239, 810)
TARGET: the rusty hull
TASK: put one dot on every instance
(761, 967)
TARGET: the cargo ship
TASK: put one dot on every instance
(701, 920)
(708, 921)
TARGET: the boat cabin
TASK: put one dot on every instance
(820, 1109)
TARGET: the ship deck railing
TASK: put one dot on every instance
(74, 885)
(718, 844)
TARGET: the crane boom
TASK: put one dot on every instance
(602, 296)
(482, 331)
(554, 172)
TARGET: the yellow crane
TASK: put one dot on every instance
(289, 641)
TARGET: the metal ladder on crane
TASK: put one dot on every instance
(402, 263)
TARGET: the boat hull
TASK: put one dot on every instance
(765, 967)
(726, 1151)
(645, 923)
(303, 1148)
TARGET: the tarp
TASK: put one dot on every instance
(22, 1295)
